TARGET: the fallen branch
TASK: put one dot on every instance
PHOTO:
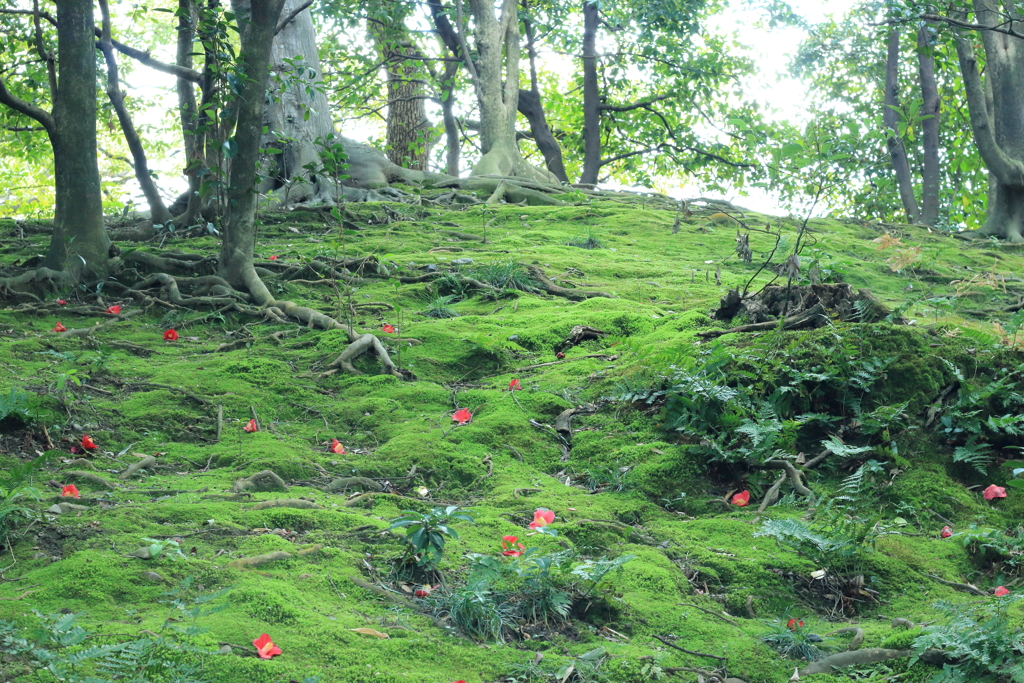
(707, 611)
(689, 652)
(812, 315)
(965, 587)
(572, 294)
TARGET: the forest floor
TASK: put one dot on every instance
(703, 576)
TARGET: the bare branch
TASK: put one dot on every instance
(1004, 27)
(636, 105)
(296, 12)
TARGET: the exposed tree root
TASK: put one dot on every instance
(551, 288)
(344, 483)
(795, 477)
(44, 279)
(869, 656)
(258, 560)
(267, 480)
(287, 503)
(856, 641)
(578, 335)
(148, 462)
(965, 587)
(563, 423)
(178, 264)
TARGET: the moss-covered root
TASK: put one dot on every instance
(147, 462)
(869, 656)
(858, 636)
(288, 503)
(89, 477)
(259, 560)
(344, 483)
(266, 480)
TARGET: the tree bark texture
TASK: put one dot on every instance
(409, 131)
(257, 27)
(188, 113)
(79, 240)
(157, 209)
(997, 124)
(591, 96)
(532, 107)
(890, 118)
(931, 171)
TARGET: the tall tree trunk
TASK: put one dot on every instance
(890, 118)
(931, 171)
(496, 80)
(591, 96)
(532, 107)
(409, 131)
(451, 127)
(79, 234)
(257, 25)
(157, 209)
(999, 127)
(188, 113)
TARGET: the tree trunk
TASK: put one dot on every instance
(80, 240)
(451, 127)
(931, 171)
(890, 118)
(997, 126)
(531, 106)
(188, 112)
(409, 131)
(257, 23)
(591, 96)
(496, 80)
(157, 209)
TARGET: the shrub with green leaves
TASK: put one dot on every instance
(16, 488)
(425, 533)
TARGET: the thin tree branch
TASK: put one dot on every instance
(287, 20)
(636, 105)
(997, 28)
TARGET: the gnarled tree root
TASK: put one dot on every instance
(267, 480)
(297, 503)
(551, 288)
(856, 641)
(148, 462)
(345, 483)
(259, 560)
(869, 656)
(795, 477)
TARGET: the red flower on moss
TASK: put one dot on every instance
(70, 491)
(424, 591)
(515, 385)
(61, 302)
(388, 329)
(170, 335)
(559, 355)
(741, 499)
(251, 426)
(59, 328)
(462, 416)
(336, 447)
(510, 547)
(946, 532)
(87, 442)
(1001, 591)
(265, 647)
(793, 624)
(274, 257)
(541, 518)
(115, 310)
(993, 491)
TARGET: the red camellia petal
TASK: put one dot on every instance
(87, 442)
(251, 426)
(946, 532)
(61, 302)
(273, 258)
(424, 591)
(559, 355)
(510, 548)
(515, 385)
(336, 447)
(993, 491)
(542, 517)
(265, 647)
(741, 499)
(70, 491)
(170, 335)
(1001, 591)
(116, 310)
(59, 328)
(791, 624)
(462, 416)
(388, 329)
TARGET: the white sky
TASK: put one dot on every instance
(782, 96)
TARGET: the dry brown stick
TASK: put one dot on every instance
(772, 494)
(789, 323)
(966, 587)
(518, 491)
(567, 360)
(689, 652)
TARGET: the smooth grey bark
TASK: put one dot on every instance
(257, 23)
(930, 170)
(998, 125)
(532, 107)
(79, 241)
(890, 118)
(187, 110)
(451, 126)
(591, 96)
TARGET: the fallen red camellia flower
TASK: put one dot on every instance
(946, 532)
(251, 426)
(1001, 591)
(70, 491)
(559, 355)
(170, 335)
(87, 442)
(336, 447)
(116, 310)
(741, 499)
(388, 329)
(61, 302)
(515, 385)
(462, 416)
(993, 491)
(542, 517)
(59, 328)
(509, 545)
(794, 624)
(273, 258)
(424, 591)
(265, 647)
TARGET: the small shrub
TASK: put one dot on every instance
(794, 640)
(505, 275)
(439, 306)
(425, 533)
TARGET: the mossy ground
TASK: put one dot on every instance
(694, 551)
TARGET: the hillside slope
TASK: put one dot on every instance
(670, 426)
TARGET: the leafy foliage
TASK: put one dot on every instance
(425, 533)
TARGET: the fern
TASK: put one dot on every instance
(974, 454)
